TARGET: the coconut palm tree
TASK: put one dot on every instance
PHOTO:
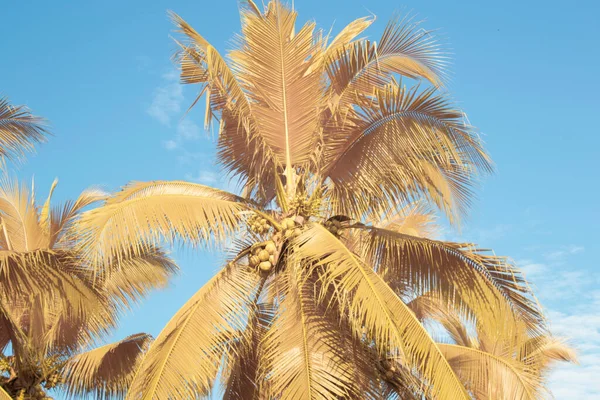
(54, 306)
(495, 360)
(333, 153)
(19, 130)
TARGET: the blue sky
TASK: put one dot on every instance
(526, 73)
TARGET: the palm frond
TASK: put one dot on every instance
(62, 219)
(373, 307)
(407, 261)
(341, 41)
(242, 361)
(19, 130)
(404, 49)
(19, 218)
(4, 395)
(147, 213)
(413, 219)
(183, 361)
(107, 371)
(539, 352)
(418, 145)
(242, 149)
(270, 65)
(491, 376)
(136, 276)
(302, 353)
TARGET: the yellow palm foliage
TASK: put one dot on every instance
(54, 304)
(19, 130)
(495, 359)
(338, 162)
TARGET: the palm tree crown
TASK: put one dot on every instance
(338, 161)
(54, 306)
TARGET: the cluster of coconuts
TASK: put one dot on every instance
(290, 228)
(304, 206)
(263, 257)
(258, 224)
(333, 226)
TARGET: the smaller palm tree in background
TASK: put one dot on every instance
(54, 306)
(495, 360)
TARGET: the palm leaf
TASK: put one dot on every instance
(135, 277)
(106, 371)
(409, 261)
(302, 353)
(491, 376)
(341, 40)
(19, 218)
(418, 145)
(183, 361)
(145, 213)
(404, 49)
(372, 305)
(4, 395)
(242, 362)
(271, 66)
(19, 130)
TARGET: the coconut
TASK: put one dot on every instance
(389, 374)
(263, 255)
(265, 266)
(333, 230)
(272, 259)
(254, 260)
(288, 223)
(271, 248)
(297, 232)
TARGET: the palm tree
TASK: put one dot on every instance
(333, 154)
(54, 306)
(493, 359)
(19, 130)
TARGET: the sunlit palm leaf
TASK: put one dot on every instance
(302, 353)
(146, 213)
(490, 376)
(341, 40)
(107, 371)
(404, 49)
(241, 371)
(271, 65)
(184, 359)
(135, 277)
(19, 218)
(420, 145)
(372, 305)
(408, 261)
(4, 395)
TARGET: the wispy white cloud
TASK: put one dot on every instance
(167, 100)
(188, 130)
(205, 177)
(572, 303)
(170, 144)
(167, 107)
(582, 326)
(560, 255)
